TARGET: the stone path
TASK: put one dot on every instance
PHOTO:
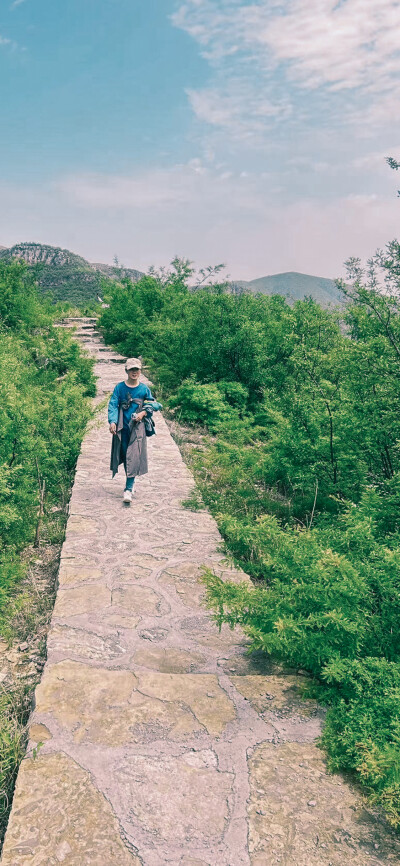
(162, 743)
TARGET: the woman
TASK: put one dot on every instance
(127, 409)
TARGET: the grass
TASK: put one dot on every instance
(193, 502)
(15, 707)
(24, 624)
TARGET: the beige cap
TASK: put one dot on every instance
(133, 362)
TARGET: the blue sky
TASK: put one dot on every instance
(250, 133)
(97, 85)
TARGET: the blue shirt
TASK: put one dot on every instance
(119, 394)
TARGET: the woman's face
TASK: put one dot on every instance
(133, 373)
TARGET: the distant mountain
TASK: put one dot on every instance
(69, 277)
(295, 286)
(65, 275)
(110, 271)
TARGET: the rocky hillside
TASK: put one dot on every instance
(66, 276)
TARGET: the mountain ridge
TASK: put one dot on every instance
(294, 285)
(66, 275)
(70, 277)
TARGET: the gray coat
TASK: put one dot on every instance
(136, 454)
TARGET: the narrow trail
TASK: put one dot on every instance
(162, 742)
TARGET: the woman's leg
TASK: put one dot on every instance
(124, 446)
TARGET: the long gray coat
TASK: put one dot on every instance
(136, 454)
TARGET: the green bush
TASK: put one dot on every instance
(328, 599)
(302, 472)
(235, 393)
(44, 379)
(44, 382)
(201, 404)
(362, 730)
(316, 601)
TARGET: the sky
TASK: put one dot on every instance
(252, 134)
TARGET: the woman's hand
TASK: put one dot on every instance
(140, 416)
(113, 428)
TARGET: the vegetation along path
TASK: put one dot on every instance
(155, 739)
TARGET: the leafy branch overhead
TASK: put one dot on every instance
(395, 165)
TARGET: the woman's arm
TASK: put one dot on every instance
(113, 406)
(153, 405)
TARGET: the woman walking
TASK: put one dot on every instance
(131, 402)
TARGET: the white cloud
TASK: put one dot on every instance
(108, 191)
(276, 50)
(157, 188)
(237, 108)
(208, 216)
(285, 76)
(343, 45)
(213, 216)
(376, 160)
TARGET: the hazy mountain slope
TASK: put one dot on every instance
(110, 271)
(69, 277)
(297, 286)
(65, 275)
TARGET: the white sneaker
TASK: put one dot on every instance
(128, 496)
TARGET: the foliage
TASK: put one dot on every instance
(43, 378)
(199, 402)
(362, 730)
(301, 467)
(14, 712)
(44, 382)
(62, 275)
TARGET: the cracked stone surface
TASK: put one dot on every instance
(87, 598)
(195, 784)
(296, 819)
(72, 576)
(162, 741)
(168, 661)
(59, 816)
(274, 693)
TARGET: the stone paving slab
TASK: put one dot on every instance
(163, 742)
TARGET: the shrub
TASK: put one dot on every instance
(201, 404)
(303, 475)
(44, 382)
(362, 730)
